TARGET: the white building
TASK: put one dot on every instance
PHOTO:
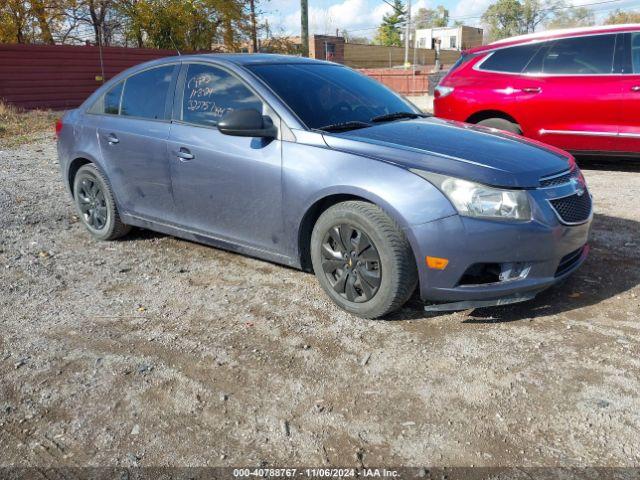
(450, 38)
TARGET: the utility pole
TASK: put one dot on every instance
(407, 34)
(304, 27)
(254, 26)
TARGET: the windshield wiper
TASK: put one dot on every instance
(397, 115)
(344, 126)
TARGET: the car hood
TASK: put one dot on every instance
(479, 154)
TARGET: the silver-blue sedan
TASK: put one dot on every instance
(313, 165)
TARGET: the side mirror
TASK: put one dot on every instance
(247, 123)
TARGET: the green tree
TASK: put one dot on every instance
(536, 12)
(15, 24)
(503, 19)
(507, 18)
(431, 17)
(390, 29)
(619, 17)
(30, 21)
(574, 17)
(133, 14)
(183, 24)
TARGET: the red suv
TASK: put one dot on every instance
(575, 89)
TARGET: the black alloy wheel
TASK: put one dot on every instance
(92, 203)
(96, 204)
(351, 263)
(362, 259)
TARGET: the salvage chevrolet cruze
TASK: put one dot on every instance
(315, 166)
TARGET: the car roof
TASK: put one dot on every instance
(553, 34)
(245, 59)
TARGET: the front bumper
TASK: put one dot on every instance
(552, 250)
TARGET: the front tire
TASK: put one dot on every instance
(362, 259)
(96, 205)
(501, 124)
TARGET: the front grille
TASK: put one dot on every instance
(557, 180)
(574, 208)
(568, 261)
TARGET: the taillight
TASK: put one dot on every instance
(59, 126)
(442, 91)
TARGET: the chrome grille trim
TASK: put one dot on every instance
(566, 197)
(557, 179)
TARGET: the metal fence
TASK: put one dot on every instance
(62, 76)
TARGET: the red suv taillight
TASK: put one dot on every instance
(59, 126)
(442, 91)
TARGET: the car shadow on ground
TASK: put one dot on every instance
(140, 234)
(612, 268)
(616, 164)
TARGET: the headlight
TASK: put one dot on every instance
(476, 200)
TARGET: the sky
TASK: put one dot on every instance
(361, 17)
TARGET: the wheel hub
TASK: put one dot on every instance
(92, 203)
(351, 263)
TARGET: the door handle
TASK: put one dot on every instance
(635, 88)
(112, 139)
(185, 154)
(531, 89)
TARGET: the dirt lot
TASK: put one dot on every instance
(157, 351)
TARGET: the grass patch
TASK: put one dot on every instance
(18, 126)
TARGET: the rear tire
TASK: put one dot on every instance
(501, 124)
(96, 205)
(362, 259)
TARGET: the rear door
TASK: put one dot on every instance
(569, 94)
(497, 80)
(628, 140)
(133, 140)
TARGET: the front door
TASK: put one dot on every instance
(225, 186)
(571, 87)
(133, 141)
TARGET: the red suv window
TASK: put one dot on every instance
(580, 55)
(510, 59)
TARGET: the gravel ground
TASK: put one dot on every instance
(157, 351)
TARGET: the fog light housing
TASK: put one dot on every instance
(487, 273)
(514, 271)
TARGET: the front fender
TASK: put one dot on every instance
(311, 174)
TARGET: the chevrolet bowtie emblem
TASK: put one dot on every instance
(578, 187)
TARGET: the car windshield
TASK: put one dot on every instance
(332, 97)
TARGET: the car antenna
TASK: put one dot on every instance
(174, 45)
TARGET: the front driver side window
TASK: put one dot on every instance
(210, 92)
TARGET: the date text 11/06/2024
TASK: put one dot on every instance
(315, 472)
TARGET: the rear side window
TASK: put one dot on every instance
(108, 102)
(210, 92)
(510, 59)
(145, 94)
(112, 100)
(590, 55)
(464, 58)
